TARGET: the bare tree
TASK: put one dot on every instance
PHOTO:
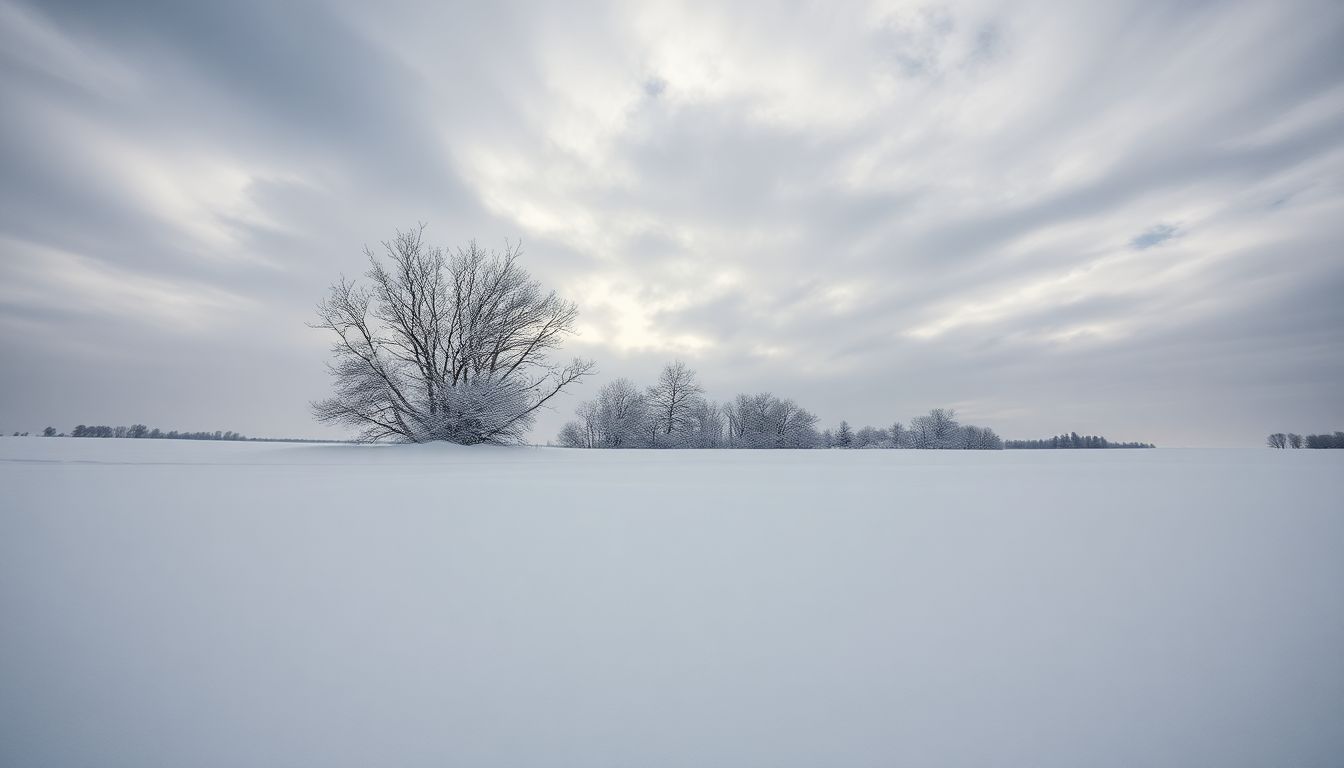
(1294, 440)
(673, 402)
(1277, 440)
(939, 429)
(766, 421)
(444, 347)
(616, 418)
(980, 439)
(872, 437)
(622, 412)
(794, 426)
(708, 424)
(571, 436)
(581, 433)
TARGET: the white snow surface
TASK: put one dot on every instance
(184, 603)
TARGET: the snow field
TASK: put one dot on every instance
(238, 604)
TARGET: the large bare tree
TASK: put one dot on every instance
(444, 346)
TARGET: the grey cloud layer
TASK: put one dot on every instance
(1120, 218)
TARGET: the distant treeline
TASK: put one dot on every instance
(1294, 440)
(142, 431)
(938, 429)
(1072, 440)
(673, 413)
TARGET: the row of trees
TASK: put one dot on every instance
(1073, 440)
(673, 413)
(141, 431)
(936, 430)
(1294, 440)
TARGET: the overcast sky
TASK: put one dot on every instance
(1124, 218)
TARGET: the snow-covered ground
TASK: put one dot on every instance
(230, 604)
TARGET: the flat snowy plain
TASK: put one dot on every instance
(231, 604)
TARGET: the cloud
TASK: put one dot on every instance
(43, 279)
(1043, 212)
